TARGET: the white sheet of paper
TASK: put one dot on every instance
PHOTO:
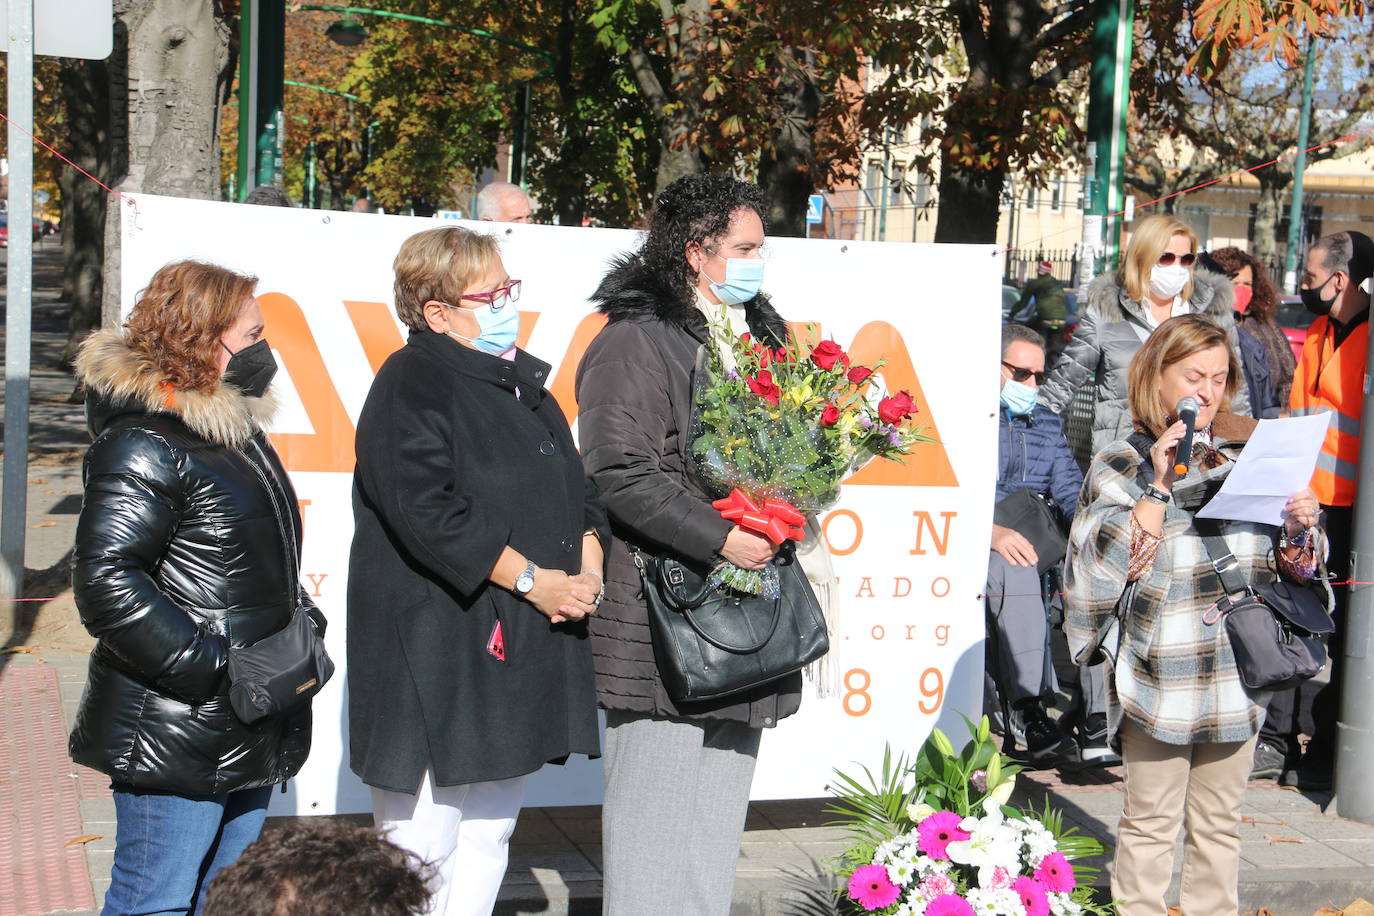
(1277, 462)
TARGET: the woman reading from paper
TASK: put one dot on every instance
(1179, 713)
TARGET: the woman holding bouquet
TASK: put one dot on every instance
(1181, 716)
(677, 775)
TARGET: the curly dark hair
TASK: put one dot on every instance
(1264, 300)
(694, 208)
(320, 866)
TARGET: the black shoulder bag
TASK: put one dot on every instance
(710, 642)
(1030, 514)
(1277, 630)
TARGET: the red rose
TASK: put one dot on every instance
(763, 386)
(830, 415)
(896, 408)
(763, 354)
(859, 374)
(745, 338)
(780, 356)
(826, 354)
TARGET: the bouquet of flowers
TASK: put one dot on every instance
(778, 429)
(936, 838)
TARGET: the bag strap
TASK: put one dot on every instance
(728, 647)
(1224, 563)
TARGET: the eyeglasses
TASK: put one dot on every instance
(1019, 374)
(500, 293)
(1168, 257)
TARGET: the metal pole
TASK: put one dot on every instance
(882, 197)
(1108, 94)
(248, 101)
(1355, 726)
(1290, 256)
(310, 175)
(520, 142)
(269, 65)
(18, 300)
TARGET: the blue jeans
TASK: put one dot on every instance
(168, 847)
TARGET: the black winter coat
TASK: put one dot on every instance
(188, 543)
(634, 394)
(452, 468)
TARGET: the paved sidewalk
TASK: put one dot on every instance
(1296, 858)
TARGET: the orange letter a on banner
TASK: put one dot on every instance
(928, 464)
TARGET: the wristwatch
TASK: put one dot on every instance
(524, 583)
(1158, 495)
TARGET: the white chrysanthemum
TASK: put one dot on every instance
(1063, 905)
(901, 872)
(910, 908)
(925, 865)
(1005, 902)
(1039, 843)
(886, 851)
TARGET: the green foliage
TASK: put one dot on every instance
(882, 814)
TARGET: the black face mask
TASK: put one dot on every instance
(1312, 299)
(251, 369)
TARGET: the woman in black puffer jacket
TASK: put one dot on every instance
(188, 543)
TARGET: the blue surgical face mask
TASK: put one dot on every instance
(497, 328)
(743, 280)
(1018, 399)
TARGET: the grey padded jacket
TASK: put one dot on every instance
(1111, 328)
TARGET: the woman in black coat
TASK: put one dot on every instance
(677, 775)
(188, 543)
(476, 559)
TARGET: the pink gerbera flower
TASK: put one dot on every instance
(1056, 874)
(871, 889)
(1033, 896)
(939, 830)
(949, 905)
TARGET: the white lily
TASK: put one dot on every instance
(918, 811)
(991, 843)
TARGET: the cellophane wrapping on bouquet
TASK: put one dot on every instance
(788, 425)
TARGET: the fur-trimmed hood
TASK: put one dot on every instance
(1212, 295)
(631, 291)
(120, 381)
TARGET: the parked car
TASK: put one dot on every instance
(1294, 318)
(5, 230)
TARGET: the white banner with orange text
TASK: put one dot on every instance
(909, 541)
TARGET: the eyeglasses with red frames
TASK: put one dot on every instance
(495, 298)
(1168, 257)
(1019, 374)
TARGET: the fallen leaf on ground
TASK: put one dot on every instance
(49, 492)
(39, 481)
(1280, 839)
(1254, 820)
(44, 525)
(83, 839)
(15, 650)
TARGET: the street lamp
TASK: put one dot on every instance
(346, 32)
(262, 51)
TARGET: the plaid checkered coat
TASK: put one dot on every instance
(1175, 675)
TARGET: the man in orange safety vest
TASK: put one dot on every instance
(1330, 380)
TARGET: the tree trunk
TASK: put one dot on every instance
(968, 203)
(785, 172)
(1267, 214)
(169, 72)
(86, 99)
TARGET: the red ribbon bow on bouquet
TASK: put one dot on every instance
(776, 519)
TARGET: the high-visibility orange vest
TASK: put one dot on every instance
(1330, 379)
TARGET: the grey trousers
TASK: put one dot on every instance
(676, 797)
(1017, 612)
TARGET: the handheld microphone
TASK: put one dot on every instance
(1187, 412)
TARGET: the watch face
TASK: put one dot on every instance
(524, 583)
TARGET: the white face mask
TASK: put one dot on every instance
(1168, 282)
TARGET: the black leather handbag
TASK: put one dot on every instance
(281, 673)
(1278, 629)
(1030, 514)
(711, 642)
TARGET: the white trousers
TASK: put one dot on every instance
(462, 831)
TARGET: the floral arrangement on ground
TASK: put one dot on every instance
(936, 837)
(778, 429)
